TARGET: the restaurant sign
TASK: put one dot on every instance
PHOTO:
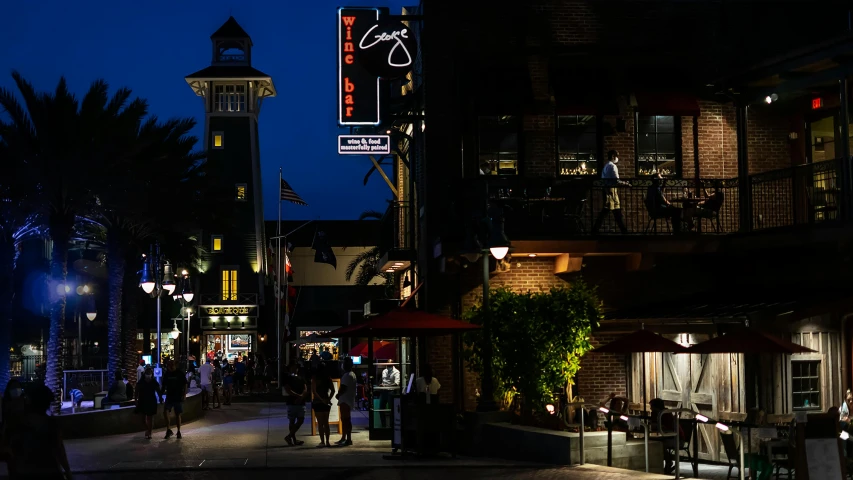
(364, 144)
(228, 311)
(369, 48)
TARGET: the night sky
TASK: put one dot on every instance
(151, 46)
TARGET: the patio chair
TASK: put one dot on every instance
(654, 216)
(686, 425)
(730, 446)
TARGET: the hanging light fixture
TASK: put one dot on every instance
(188, 291)
(146, 281)
(406, 281)
(91, 311)
(498, 242)
(175, 333)
(168, 282)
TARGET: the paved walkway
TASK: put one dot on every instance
(247, 440)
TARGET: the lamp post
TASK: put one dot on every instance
(183, 293)
(496, 244)
(156, 278)
(85, 294)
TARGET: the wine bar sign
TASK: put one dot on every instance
(370, 48)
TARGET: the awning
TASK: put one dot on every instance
(667, 103)
(403, 322)
(503, 92)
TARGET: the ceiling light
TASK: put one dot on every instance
(532, 255)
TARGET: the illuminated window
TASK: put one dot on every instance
(577, 145)
(229, 98)
(218, 140)
(216, 243)
(241, 192)
(229, 284)
(498, 140)
(658, 145)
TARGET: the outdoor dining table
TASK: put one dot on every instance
(689, 207)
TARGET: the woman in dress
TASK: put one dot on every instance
(323, 390)
(148, 395)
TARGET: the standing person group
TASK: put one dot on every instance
(323, 390)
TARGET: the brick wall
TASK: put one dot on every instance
(570, 22)
(601, 373)
(622, 142)
(717, 140)
(539, 155)
(767, 139)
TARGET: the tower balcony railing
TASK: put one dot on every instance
(220, 299)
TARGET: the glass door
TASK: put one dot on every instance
(822, 188)
(391, 372)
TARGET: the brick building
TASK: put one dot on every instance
(521, 106)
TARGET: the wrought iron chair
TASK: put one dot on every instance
(654, 216)
(730, 446)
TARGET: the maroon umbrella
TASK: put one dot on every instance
(641, 341)
(748, 340)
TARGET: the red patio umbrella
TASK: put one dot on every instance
(748, 340)
(641, 341)
(403, 322)
(361, 348)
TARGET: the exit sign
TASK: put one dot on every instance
(817, 103)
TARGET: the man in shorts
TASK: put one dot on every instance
(176, 392)
(205, 373)
(297, 390)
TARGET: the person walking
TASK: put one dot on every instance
(323, 389)
(217, 384)
(37, 447)
(610, 175)
(239, 375)
(148, 395)
(346, 400)
(176, 393)
(297, 391)
(140, 370)
(205, 381)
(227, 381)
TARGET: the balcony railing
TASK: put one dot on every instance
(801, 195)
(394, 232)
(217, 299)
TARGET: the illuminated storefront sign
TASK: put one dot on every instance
(388, 49)
(358, 89)
(364, 144)
(227, 310)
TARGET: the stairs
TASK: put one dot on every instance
(505, 440)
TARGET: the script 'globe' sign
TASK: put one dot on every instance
(388, 49)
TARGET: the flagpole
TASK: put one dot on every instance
(278, 287)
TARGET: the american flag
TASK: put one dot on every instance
(288, 194)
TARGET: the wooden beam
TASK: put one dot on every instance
(567, 263)
(382, 172)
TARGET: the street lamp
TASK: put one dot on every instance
(175, 333)
(168, 283)
(85, 294)
(491, 229)
(184, 294)
(153, 270)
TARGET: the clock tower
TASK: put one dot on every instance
(233, 267)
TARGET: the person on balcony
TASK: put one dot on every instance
(610, 175)
(711, 207)
(659, 206)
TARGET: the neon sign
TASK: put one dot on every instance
(399, 57)
(358, 89)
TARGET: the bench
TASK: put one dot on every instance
(106, 404)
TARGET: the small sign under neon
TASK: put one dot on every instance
(364, 144)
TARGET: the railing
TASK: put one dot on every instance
(805, 194)
(573, 209)
(216, 299)
(395, 233)
(89, 382)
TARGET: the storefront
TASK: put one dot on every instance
(228, 331)
(312, 340)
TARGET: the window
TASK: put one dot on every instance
(229, 98)
(577, 145)
(658, 145)
(218, 140)
(805, 385)
(499, 145)
(240, 192)
(229, 284)
(216, 243)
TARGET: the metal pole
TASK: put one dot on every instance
(580, 438)
(609, 438)
(677, 417)
(79, 338)
(487, 397)
(646, 443)
(157, 280)
(189, 317)
(278, 288)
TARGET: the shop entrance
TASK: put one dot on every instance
(821, 133)
(228, 345)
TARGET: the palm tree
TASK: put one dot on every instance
(365, 265)
(16, 225)
(60, 143)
